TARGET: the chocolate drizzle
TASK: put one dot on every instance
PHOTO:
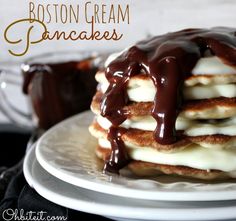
(119, 156)
(168, 60)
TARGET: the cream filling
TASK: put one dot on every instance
(213, 91)
(195, 156)
(212, 65)
(147, 94)
(190, 127)
(207, 65)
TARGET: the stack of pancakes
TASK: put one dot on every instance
(207, 122)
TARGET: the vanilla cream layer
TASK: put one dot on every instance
(146, 93)
(195, 157)
(190, 127)
(207, 65)
(211, 66)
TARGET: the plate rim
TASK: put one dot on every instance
(86, 206)
(126, 192)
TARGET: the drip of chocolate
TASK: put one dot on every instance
(59, 90)
(119, 156)
(168, 60)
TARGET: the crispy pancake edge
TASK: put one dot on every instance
(142, 138)
(216, 108)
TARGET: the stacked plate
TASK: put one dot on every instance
(63, 168)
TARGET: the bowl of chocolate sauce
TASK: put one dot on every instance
(59, 85)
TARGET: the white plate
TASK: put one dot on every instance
(67, 152)
(120, 208)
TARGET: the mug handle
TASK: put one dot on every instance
(14, 114)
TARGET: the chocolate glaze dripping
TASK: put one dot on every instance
(119, 156)
(168, 60)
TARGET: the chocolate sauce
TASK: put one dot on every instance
(168, 60)
(119, 156)
(59, 90)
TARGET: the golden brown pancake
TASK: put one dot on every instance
(143, 138)
(140, 138)
(215, 108)
(151, 169)
(146, 169)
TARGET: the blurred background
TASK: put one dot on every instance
(149, 17)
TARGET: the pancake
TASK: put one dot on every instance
(146, 169)
(217, 108)
(151, 169)
(188, 126)
(145, 139)
(140, 138)
(210, 79)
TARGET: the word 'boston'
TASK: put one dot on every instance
(68, 13)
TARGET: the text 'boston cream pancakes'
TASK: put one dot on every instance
(168, 105)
